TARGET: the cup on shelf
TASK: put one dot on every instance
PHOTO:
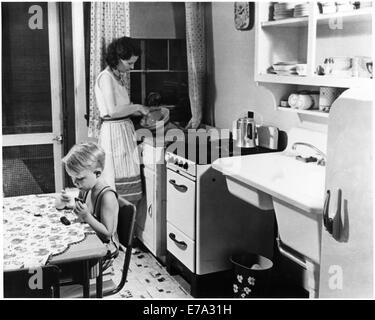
(362, 67)
(301, 69)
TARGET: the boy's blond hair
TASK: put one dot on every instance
(84, 156)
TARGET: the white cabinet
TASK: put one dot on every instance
(310, 39)
(151, 217)
(145, 219)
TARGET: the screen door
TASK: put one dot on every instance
(31, 99)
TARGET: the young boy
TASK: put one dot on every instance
(84, 163)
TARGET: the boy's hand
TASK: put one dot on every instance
(82, 211)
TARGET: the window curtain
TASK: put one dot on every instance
(196, 56)
(109, 20)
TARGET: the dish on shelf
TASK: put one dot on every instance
(286, 73)
(304, 100)
(283, 10)
(300, 101)
(284, 5)
(344, 7)
(338, 66)
(301, 10)
(284, 67)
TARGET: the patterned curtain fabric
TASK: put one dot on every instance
(109, 20)
(196, 53)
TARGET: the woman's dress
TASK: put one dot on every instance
(117, 138)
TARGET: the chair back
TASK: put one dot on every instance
(24, 283)
(126, 222)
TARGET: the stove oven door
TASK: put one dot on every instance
(181, 218)
(181, 203)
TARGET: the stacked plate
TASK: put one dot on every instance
(283, 10)
(301, 10)
(285, 68)
(328, 7)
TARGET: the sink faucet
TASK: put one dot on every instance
(321, 162)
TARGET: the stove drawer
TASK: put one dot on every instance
(181, 246)
(181, 203)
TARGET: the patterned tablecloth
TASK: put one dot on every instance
(33, 232)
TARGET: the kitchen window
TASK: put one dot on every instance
(161, 68)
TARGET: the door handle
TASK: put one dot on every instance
(149, 210)
(181, 244)
(336, 221)
(58, 138)
(327, 221)
(178, 187)
(333, 226)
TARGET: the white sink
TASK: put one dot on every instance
(277, 175)
(294, 189)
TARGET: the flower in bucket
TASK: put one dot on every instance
(251, 281)
(239, 278)
(247, 290)
(235, 288)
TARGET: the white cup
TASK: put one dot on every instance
(301, 69)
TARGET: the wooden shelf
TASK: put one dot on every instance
(158, 71)
(306, 39)
(315, 113)
(329, 81)
(355, 16)
(288, 22)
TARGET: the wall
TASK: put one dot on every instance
(232, 90)
(169, 17)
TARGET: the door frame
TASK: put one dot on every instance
(56, 103)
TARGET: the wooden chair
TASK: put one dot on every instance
(125, 231)
(19, 283)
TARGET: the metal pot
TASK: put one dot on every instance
(244, 131)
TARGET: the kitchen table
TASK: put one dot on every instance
(34, 236)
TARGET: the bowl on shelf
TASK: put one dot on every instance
(300, 101)
(284, 66)
(304, 100)
(341, 63)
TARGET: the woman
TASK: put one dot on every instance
(117, 134)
